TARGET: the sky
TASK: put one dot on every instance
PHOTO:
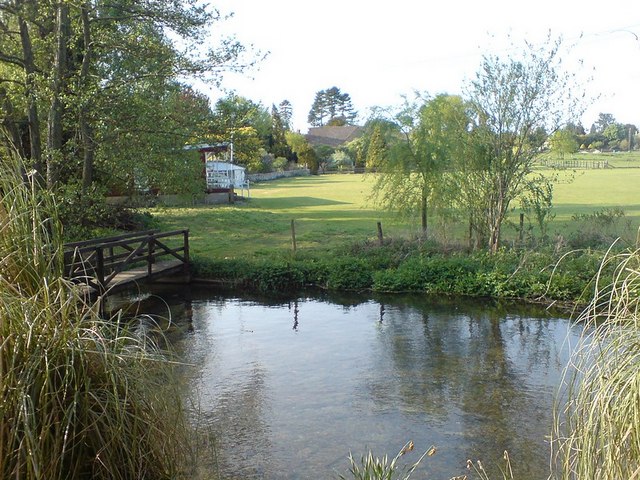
(377, 51)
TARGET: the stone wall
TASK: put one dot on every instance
(265, 177)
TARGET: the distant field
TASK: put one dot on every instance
(332, 210)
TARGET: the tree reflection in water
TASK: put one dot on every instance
(355, 373)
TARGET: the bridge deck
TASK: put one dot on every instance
(140, 274)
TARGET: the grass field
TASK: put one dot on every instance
(333, 210)
(328, 210)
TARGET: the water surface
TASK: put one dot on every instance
(288, 388)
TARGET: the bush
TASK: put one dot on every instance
(86, 214)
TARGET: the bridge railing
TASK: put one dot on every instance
(96, 262)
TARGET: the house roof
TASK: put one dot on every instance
(333, 136)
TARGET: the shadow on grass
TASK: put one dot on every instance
(304, 182)
(293, 202)
(570, 209)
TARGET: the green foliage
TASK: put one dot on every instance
(512, 100)
(537, 203)
(304, 151)
(341, 160)
(85, 213)
(95, 94)
(276, 276)
(429, 134)
(407, 267)
(563, 142)
(349, 274)
(597, 229)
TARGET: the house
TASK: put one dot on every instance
(225, 176)
(333, 136)
(221, 174)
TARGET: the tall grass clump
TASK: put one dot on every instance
(80, 397)
(598, 428)
(371, 467)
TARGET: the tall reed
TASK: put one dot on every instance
(80, 397)
(598, 429)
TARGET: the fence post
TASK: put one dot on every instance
(521, 228)
(293, 234)
(186, 250)
(150, 255)
(380, 236)
(100, 267)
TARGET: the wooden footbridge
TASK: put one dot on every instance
(114, 263)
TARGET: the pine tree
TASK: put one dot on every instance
(318, 113)
(286, 113)
(333, 106)
(279, 145)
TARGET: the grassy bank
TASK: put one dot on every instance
(249, 244)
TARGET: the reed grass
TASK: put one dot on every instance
(598, 428)
(80, 397)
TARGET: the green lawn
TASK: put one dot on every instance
(333, 210)
(328, 211)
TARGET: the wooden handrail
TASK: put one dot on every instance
(115, 238)
(96, 261)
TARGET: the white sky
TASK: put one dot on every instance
(378, 50)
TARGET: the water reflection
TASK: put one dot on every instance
(290, 386)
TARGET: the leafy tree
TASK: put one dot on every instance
(377, 149)
(429, 136)
(80, 80)
(563, 142)
(537, 203)
(303, 150)
(234, 111)
(604, 120)
(615, 133)
(511, 98)
(318, 112)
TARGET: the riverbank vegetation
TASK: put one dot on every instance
(82, 396)
(597, 434)
(337, 245)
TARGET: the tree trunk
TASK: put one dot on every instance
(423, 212)
(54, 139)
(35, 138)
(495, 225)
(86, 131)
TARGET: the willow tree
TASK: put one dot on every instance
(511, 100)
(428, 135)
